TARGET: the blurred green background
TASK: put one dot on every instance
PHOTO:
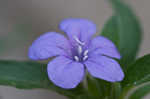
(22, 21)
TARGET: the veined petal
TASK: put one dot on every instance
(65, 73)
(103, 46)
(104, 68)
(83, 29)
(48, 45)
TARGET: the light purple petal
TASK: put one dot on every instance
(81, 28)
(48, 45)
(103, 46)
(65, 73)
(104, 68)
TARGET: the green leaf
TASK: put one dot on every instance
(124, 30)
(106, 88)
(140, 92)
(138, 72)
(136, 92)
(30, 75)
(110, 30)
(83, 96)
(115, 90)
(94, 88)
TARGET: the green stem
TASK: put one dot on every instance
(115, 91)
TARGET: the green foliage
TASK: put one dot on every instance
(22, 74)
(83, 96)
(137, 79)
(30, 75)
(136, 92)
(115, 90)
(94, 88)
(124, 30)
(138, 72)
(141, 91)
(110, 30)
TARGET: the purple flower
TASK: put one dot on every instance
(77, 53)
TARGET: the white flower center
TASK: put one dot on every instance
(82, 55)
(80, 49)
(76, 58)
(78, 41)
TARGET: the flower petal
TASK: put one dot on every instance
(65, 73)
(103, 46)
(83, 29)
(48, 45)
(104, 68)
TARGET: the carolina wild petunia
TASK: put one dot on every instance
(77, 53)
